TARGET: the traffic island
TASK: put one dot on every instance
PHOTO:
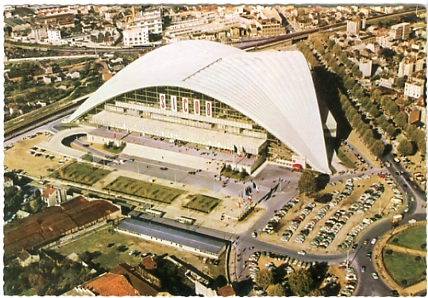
(400, 259)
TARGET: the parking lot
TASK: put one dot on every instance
(331, 221)
(25, 155)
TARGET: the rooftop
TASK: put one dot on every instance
(176, 235)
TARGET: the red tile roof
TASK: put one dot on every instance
(148, 262)
(111, 284)
(48, 191)
(52, 223)
(225, 291)
(143, 288)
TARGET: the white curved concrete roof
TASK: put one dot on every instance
(275, 89)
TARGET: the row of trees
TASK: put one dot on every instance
(363, 129)
(398, 119)
(369, 105)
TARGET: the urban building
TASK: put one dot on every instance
(406, 66)
(54, 36)
(400, 31)
(135, 36)
(353, 27)
(414, 87)
(182, 239)
(261, 104)
(152, 20)
(56, 223)
(365, 66)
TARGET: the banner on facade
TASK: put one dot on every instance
(185, 102)
(196, 107)
(174, 103)
(162, 101)
(208, 109)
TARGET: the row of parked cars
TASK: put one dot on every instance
(335, 223)
(279, 214)
(352, 235)
(295, 223)
(349, 187)
(301, 237)
(351, 280)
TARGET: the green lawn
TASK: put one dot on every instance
(97, 245)
(144, 189)
(81, 173)
(405, 269)
(202, 203)
(414, 237)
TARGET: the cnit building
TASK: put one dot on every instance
(261, 105)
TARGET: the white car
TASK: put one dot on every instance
(302, 252)
(373, 241)
(375, 276)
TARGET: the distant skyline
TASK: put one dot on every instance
(231, 2)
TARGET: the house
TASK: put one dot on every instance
(73, 75)
(122, 280)
(226, 291)
(49, 196)
(22, 214)
(110, 284)
(148, 263)
(25, 258)
(75, 258)
(415, 117)
(46, 80)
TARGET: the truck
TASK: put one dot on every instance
(397, 218)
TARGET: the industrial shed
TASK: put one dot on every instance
(201, 244)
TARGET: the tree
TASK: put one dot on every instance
(276, 290)
(390, 130)
(406, 147)
(356, 120)
(317, 293)
(264, 278)
(301, 282)
(307, 182)
(378, 148)
(401, 119)
(392, 108)
(422, 146)
(374, 111)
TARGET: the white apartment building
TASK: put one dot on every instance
(365, 66)
(384, 41)
(152, 20)
(419, 65)
(135, 36)
(353, 27)
(405, 68)
(54, 35)
(400, 31)
(39, 34)
(414, 88)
